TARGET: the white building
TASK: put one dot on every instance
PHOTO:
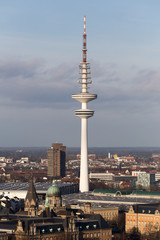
(102, 176)
(136, 173)
(145, 179)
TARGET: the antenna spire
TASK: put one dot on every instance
(84, 41)
(84, 24)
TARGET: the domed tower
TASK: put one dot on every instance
(53, 197)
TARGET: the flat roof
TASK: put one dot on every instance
(105, 201)
(38, 185)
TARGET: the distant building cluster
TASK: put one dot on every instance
(52, 220)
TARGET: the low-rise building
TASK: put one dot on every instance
(102, 176)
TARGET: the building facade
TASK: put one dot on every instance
(56, 160)
(144, 217)
(145, 180)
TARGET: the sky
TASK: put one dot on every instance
(40, 51)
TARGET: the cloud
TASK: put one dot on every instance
(137, 92)
(33, 84)
(12, 69)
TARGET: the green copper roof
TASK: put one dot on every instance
(141, 192)
(53, 190)
(124, 192)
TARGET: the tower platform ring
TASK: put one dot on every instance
(84, 113)
(84, 97)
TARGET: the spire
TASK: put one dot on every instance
(31, 194)
(84, 41)
(84, 24)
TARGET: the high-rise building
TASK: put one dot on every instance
(84, 113)
(56, 160)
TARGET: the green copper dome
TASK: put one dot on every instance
(53, 190)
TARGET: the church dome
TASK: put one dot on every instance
(53, 190)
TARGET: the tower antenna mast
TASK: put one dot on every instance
(84, 113)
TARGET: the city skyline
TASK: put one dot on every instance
(40, 52)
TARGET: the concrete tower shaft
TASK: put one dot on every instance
(84, 113)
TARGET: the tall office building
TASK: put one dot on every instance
(56, 160)
(84, 113)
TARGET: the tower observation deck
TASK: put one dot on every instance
(84, 113)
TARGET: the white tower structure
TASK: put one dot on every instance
(84, 113)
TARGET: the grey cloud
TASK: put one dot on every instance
(141, 93)
(105, 73)
(12, 69)
(31, 84)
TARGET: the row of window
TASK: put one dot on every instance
(142, 218)
(146, 224)
(51, 230)
(108, 213)
(52, 238)
(96, 234)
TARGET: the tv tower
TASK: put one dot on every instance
(84, 113)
